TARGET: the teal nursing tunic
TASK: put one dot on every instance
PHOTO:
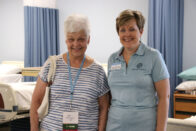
(134, 98)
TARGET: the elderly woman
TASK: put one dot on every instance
(79, 90)
(138, 80)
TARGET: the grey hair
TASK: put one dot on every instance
(76, 23)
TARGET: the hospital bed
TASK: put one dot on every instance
(188, 124)
(15, 100)
(15, 95)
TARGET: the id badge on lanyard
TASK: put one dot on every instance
(70, 119)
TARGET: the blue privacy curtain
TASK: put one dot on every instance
(41, 35)
(165, 33)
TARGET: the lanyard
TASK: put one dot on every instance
(72, 85)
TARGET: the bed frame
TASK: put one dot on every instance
(8, 105)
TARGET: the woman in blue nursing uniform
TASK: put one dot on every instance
(138, 79)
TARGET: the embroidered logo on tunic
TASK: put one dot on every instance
(139, 65)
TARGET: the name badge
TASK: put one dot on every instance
(70, 121)
(116, 66)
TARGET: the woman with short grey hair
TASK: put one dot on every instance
(79, 93)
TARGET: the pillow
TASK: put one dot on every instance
(9, 69)
(187, 85)
(189, 74)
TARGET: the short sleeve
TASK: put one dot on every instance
(43, 74)
(102, 84)
(159, 71)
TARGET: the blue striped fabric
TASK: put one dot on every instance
(92, 83)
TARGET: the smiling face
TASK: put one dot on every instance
(77, 43)
(130, 34)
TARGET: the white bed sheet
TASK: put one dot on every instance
(192, 118)
(10, 78)
(23, 92)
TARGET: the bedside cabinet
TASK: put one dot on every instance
(184, 105)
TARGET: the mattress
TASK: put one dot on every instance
(174, 124)
(15, 100)
(10, 78)
(22, 93)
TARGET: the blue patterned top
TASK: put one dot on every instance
(91, 84)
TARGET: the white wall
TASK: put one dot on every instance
(102, 15)
(189, 50)
(11, 30)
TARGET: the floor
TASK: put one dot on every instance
(16, 125)
(5, 127)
